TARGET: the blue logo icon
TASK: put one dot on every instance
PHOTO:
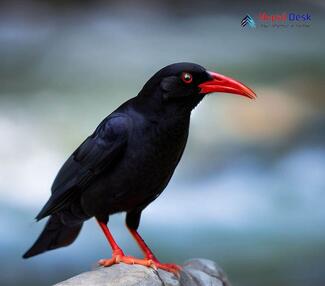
(248, 20)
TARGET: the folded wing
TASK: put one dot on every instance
(97, 153)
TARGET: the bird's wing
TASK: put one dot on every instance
(96, 153)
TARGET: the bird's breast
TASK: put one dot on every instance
(152, 155)
(156, 150)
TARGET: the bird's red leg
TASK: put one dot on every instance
(144, 247)
(115, 248)
(148, 254)
(118, 254)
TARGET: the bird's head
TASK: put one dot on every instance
(182, 86)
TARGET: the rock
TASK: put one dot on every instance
(195, 272)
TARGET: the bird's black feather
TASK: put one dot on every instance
(95, 154)
(54, 235)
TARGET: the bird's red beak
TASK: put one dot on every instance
(221, 83)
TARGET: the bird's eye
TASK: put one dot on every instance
(187, 77)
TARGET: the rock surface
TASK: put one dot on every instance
(195, 272)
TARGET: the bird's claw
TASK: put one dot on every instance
(174, 268)
(154, 264)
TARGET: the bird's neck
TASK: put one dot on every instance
(154, 109)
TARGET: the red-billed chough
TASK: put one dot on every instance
(128, 161)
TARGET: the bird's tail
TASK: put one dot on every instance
(54, 235)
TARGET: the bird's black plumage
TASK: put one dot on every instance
(128, 160)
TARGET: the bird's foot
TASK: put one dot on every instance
(170, 267)
(118, 257)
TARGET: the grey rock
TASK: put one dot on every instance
(195, 272)
(208, 267)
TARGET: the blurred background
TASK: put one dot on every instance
(249, 192)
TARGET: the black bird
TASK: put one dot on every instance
(128, 161)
